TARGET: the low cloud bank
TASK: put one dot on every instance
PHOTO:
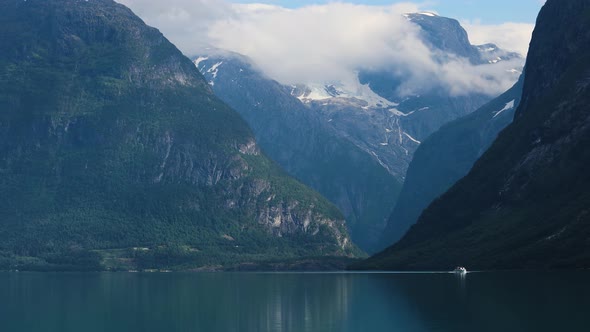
(332, 42)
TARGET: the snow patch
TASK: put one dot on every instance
(315, 93)
(496, 60)
(200, 59)
(396, 112)
(412, 138)
(509, 106)
(428, 14)
(378, 159)
(352, 89)
(215, 69)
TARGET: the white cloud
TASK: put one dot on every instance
(320, 42)
(185, 22)
(329, 43)
(509, 36)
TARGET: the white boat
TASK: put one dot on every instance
(460, 270)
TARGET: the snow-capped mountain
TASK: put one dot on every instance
(371, 110)
(367, 113)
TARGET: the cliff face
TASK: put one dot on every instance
(525, 202)
(112, 139)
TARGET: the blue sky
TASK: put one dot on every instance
(488, 11)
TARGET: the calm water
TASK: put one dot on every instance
(557, 301)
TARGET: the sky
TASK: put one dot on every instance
(319, 42)
(485, 11)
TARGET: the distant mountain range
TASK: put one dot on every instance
(386, 122)
(525, 204)
(352, 141)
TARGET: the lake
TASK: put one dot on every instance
(499, 301)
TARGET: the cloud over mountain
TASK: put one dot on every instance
(510, 36)
(329, 43)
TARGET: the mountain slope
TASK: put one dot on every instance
(115, 153)
(305, 145)
(525, 202)
(447, 156)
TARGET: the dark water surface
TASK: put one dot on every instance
(507, 301)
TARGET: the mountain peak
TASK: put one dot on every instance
(425, 13)
(445, 34)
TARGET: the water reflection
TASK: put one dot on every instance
(462, 280)
(173, 302)
(294, 302)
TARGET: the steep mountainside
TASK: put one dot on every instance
(307, 147)
(525, 203)
(447, 156)
(115, 153)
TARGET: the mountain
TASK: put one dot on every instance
(376, 114)
(352, 141)
(525, 202)
(305, 145)
(116, 154)
(447, 35)
(447, 156)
